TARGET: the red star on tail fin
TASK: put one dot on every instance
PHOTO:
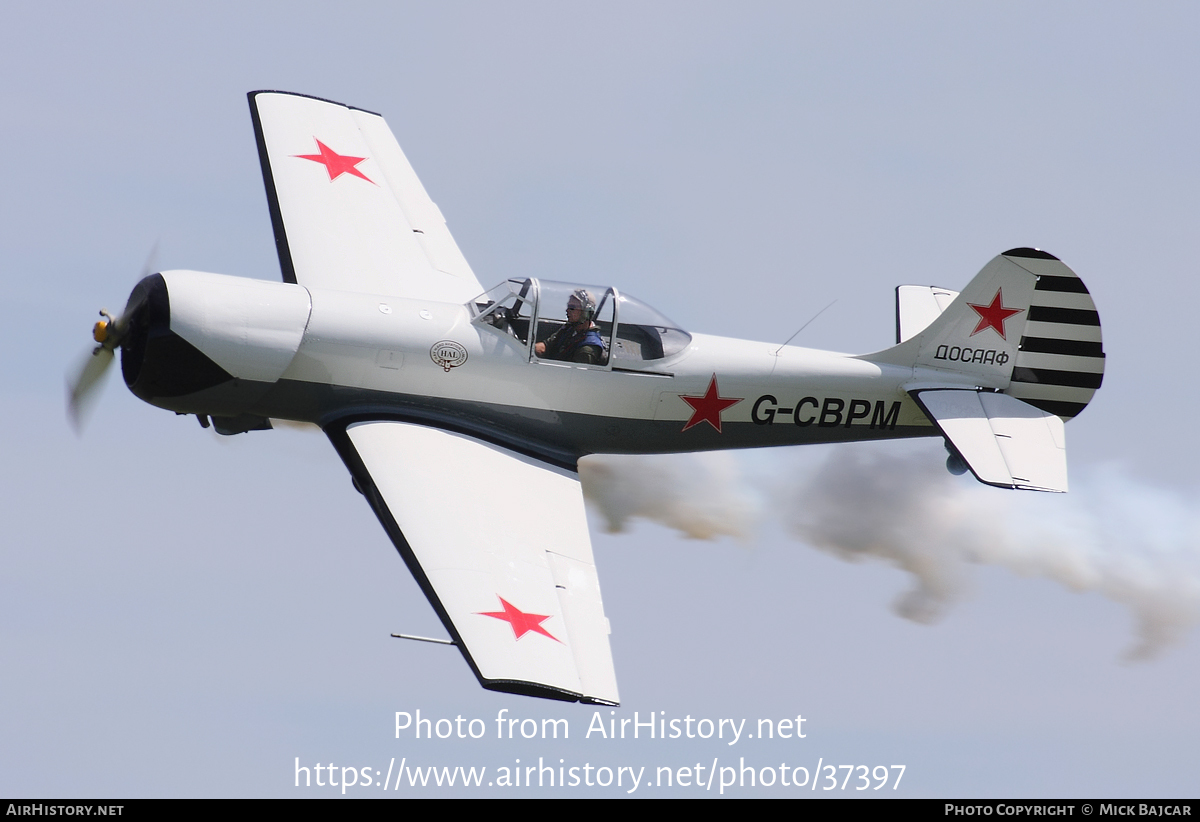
(993, 316)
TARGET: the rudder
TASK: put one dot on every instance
(1060, 361)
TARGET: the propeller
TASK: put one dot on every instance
(84, 388)
(84, 382)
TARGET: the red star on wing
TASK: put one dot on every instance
(521, 622)
(336, 164)
(993, 316)
(708, 408)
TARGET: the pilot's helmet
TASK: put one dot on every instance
(581, 299)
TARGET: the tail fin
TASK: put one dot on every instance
(1026, 325)
(1014, 355)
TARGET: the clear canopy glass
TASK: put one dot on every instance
(631, 333)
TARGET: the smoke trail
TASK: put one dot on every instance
(1135, 545)
(704, 496)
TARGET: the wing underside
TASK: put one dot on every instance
(499, 544)
(348, 210)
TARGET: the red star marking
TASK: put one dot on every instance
(709, 407)
(521, 622)
(336, 164)
(993, 316)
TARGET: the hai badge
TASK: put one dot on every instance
(448, 354)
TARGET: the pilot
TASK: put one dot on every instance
(578, 340)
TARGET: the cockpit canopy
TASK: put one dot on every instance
(633, 334)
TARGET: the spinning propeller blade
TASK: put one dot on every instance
(86, 379)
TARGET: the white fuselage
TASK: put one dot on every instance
(317, 356)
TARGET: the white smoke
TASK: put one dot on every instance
(1135, 545)
(704, 496)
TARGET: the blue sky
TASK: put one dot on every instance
(185, 615)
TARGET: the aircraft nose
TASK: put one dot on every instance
(155, 361)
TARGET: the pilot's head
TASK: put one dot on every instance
(581, 307)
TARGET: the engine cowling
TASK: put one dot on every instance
(191, 331)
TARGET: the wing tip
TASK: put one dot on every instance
(251, 95)
(1031, 253)
(537, 689)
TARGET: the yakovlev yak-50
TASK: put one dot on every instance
(435, 390)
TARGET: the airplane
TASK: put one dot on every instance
(461, 412)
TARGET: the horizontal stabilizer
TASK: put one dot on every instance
(1005, 442)
(917, 306)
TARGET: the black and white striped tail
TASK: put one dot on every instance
(1060, 361)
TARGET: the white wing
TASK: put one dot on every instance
(499, 544)
(348, 210)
